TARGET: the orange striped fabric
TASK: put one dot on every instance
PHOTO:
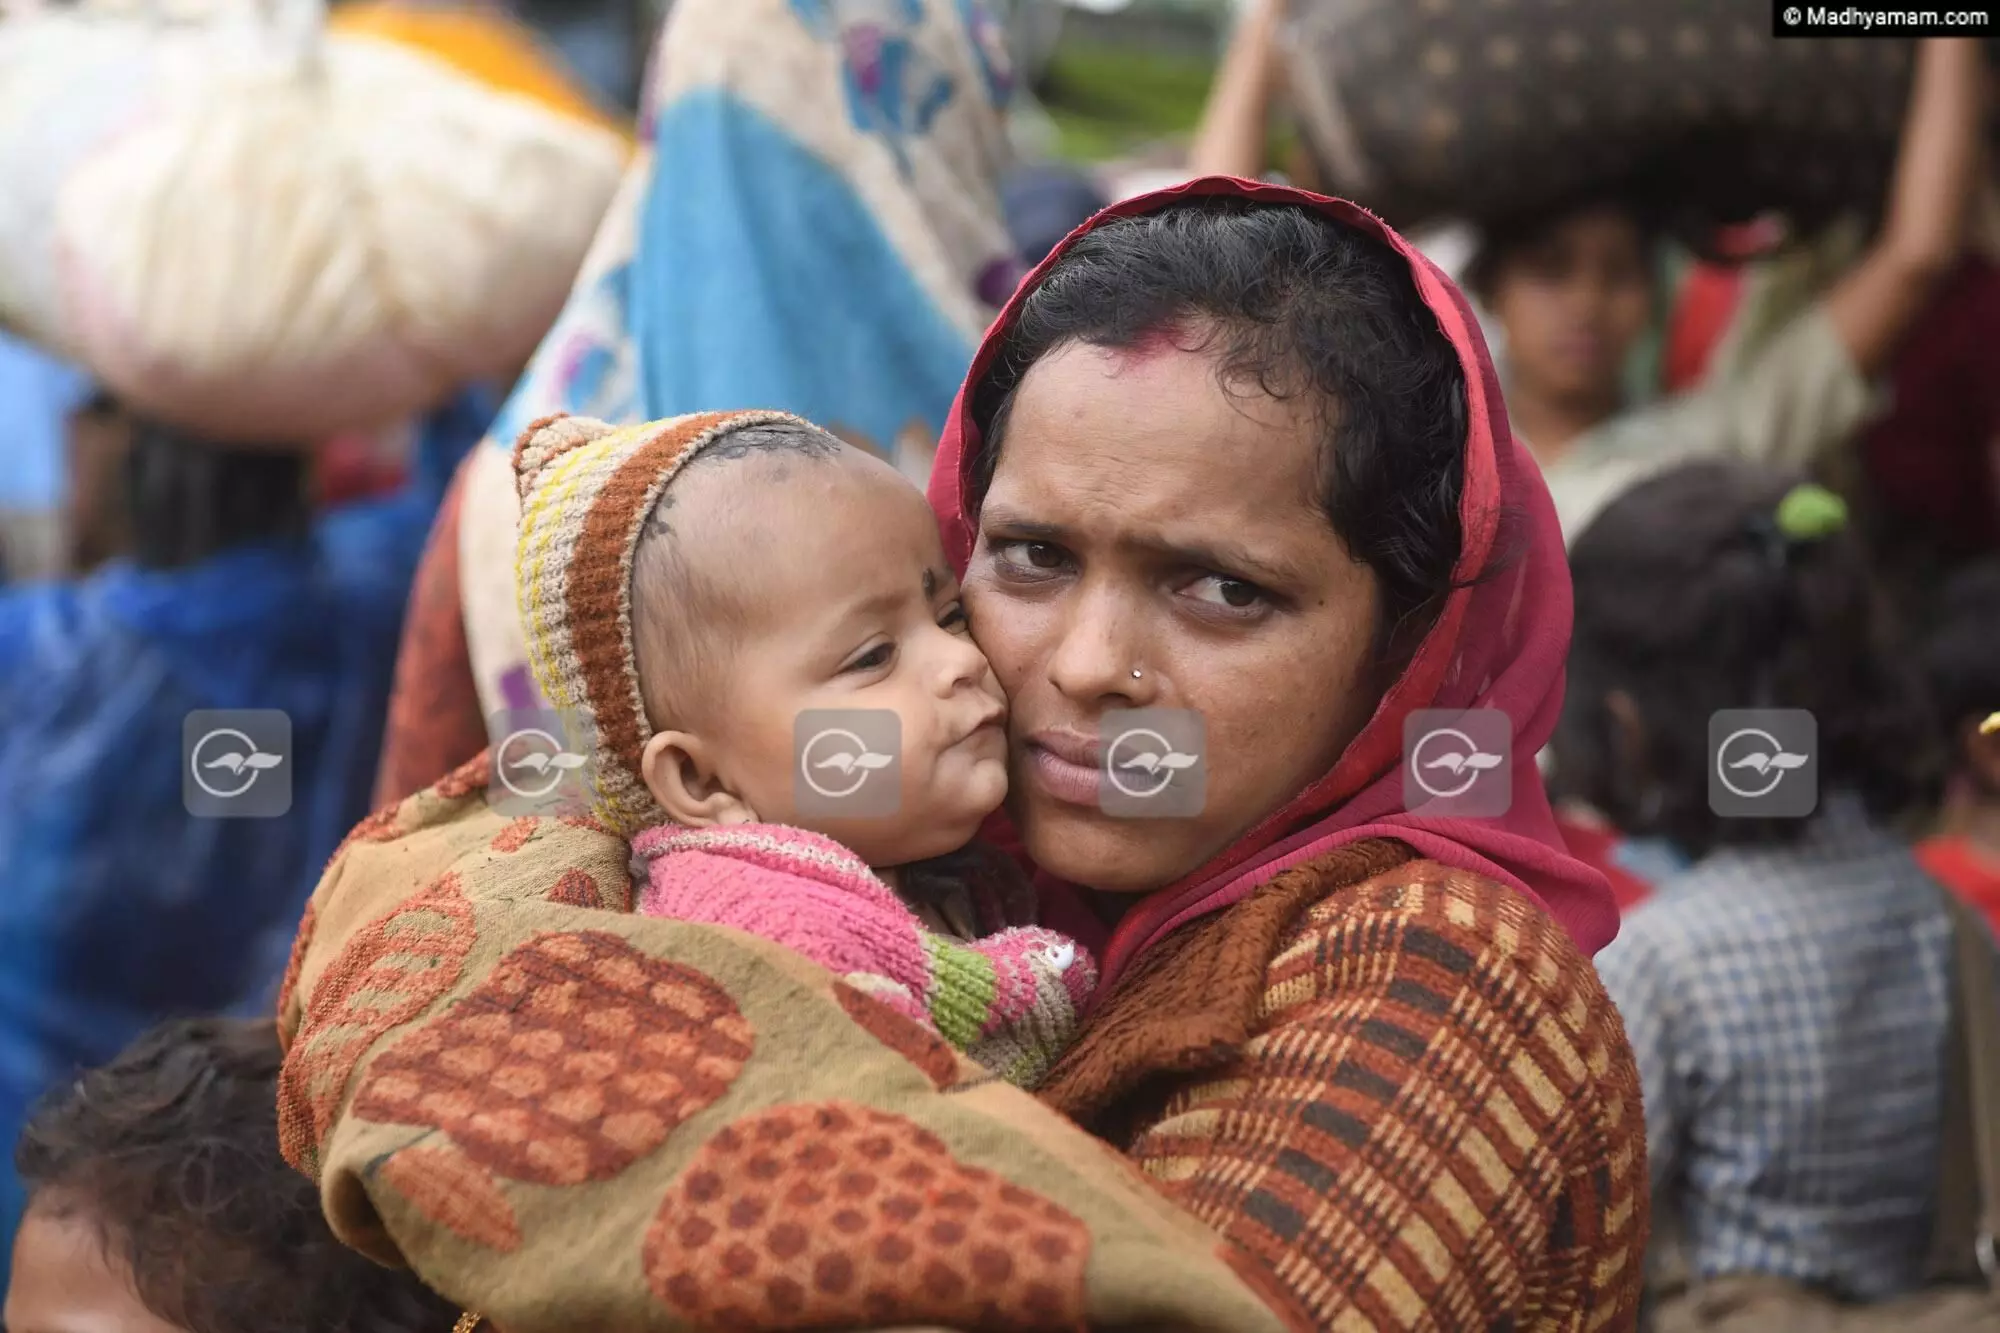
(1430, 1121)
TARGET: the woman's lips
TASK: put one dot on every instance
(1066, 766)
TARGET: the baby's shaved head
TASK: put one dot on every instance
(693, 571)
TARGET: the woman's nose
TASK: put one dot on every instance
(1098, 658)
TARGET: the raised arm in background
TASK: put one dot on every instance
(1928, 214)
(1233, 135)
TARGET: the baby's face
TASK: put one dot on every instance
(849, 605)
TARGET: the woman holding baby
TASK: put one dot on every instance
(1235, 452)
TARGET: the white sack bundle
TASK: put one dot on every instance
(257, 229)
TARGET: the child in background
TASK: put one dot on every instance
(1572, 289)
(1786, 996)
(1961, 656)
(158, 1203)
(695, 586)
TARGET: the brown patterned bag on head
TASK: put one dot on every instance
(567, 1117)
(1489, 108)
(1964, 1292)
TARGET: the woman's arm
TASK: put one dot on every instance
(1938, 169)
(1234, 132)
(1437, 1123)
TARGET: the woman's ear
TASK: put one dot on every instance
(680, 773)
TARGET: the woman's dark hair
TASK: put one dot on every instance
(1961, 653)
(171, 1151)
(1294, 302)
(1691, 600)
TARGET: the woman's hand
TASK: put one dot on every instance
(1232, 137)
(1938, 169)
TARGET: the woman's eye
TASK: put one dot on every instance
(1236, 594)
(1032, 555)
(874, 659)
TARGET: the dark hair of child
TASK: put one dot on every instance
(1504, 239)
(171, 1152)
(1691, 598)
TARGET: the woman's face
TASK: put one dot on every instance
(1144, 519)
(1573, 302)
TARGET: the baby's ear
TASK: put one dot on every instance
(548, 439)
(680, 773)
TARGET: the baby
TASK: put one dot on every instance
(714, 591)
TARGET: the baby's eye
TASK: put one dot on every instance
(874, 659)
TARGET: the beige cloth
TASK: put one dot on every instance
(1793, 403)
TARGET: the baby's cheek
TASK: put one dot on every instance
(776, 765)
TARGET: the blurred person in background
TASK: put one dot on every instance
(1961, 656)
(1786, 996)
(1930, 468)
(1574, 288)
(813, 224)
(120, 906)
(1926, 472)
(1233, 137)
(218, 579)
(159, 1204)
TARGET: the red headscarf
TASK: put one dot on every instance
(1499, 643)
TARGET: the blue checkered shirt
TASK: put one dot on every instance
(1788, 1009)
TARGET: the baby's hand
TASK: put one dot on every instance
(1040, 984)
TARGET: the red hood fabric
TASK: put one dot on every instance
(1499, 643)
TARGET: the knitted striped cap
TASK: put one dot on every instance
(586, 489)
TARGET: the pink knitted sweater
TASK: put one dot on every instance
(1010, 1000)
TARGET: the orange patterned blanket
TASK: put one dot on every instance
(569, 1117)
